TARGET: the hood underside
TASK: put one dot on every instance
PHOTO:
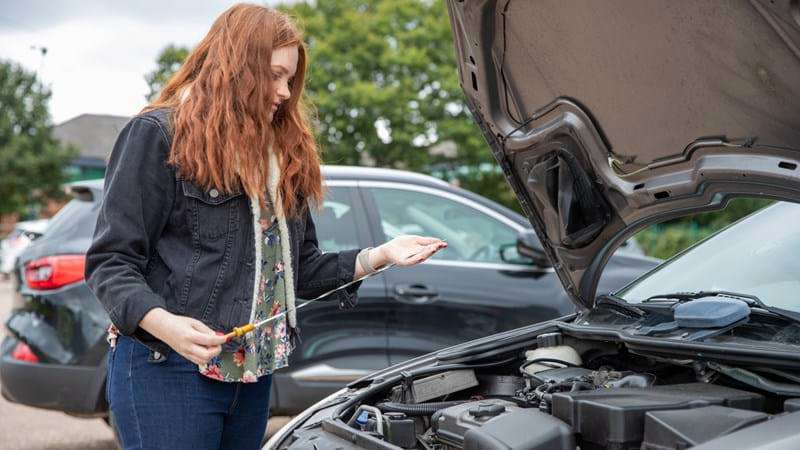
(608, 117)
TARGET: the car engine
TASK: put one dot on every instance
(554, 400)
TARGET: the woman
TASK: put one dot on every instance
(205, 225)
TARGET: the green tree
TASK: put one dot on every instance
(167, 63)
(31, 160)
(383, 78)
(384, 82)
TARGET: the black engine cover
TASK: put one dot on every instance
(614, 418)
(677, 429)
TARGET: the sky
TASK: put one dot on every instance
(99, 51)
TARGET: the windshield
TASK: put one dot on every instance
(75, 220)
(758, 256)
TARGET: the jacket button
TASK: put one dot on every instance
(213, 193)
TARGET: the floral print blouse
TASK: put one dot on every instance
(266, 349)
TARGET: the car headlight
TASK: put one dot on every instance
(298, 420)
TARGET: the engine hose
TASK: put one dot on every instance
(557, 387)
(421, 409)
(581, 386)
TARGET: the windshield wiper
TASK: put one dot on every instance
(751, 300)
(620, 305)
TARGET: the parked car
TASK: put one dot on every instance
(465, 292)
(705, 349)
(605, 120)
(21, 236)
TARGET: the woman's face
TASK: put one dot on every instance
(284, 66)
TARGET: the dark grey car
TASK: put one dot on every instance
(466, 292)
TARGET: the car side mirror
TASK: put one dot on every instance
(528, 245)
(510, 255)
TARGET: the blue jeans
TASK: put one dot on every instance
(166, 403)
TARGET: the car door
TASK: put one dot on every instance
(337, 346)
(465, 291)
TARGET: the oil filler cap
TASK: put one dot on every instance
(487, 410)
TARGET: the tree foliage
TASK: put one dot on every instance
(31, 160)
(168, 62)
(383, 77)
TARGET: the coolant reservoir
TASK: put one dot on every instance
(550, 352)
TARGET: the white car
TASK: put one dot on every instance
(23, 234)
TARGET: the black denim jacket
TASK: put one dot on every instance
(162, 241)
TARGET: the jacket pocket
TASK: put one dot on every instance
(210, 197)
(215, 213)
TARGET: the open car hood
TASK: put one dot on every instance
(608, 117)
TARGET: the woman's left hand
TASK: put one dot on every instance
(409, 250)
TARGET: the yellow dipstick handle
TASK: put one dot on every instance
(239, 331)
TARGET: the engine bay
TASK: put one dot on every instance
(563, 393)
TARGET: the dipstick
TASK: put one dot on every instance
(248, 328)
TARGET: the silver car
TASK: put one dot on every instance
(606, 118)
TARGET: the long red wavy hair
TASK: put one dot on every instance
(221, 99)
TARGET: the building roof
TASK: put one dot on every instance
(92, 134)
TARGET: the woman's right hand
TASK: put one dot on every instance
(191, 338)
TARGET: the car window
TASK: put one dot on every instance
(336, 221)
(471, 234)
(76, 219)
